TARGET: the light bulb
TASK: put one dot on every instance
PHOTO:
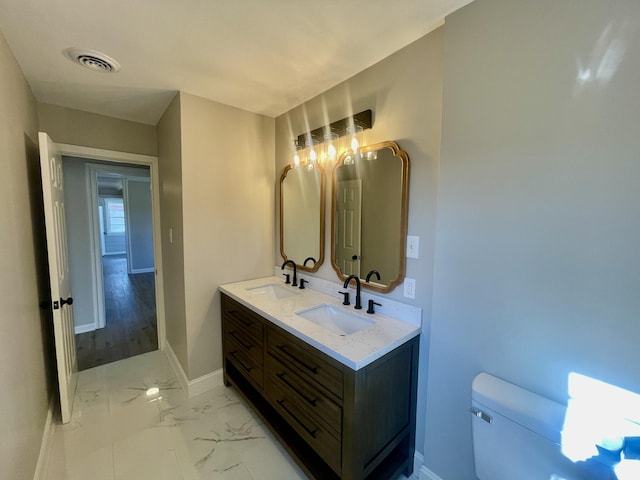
(355, 132)
(296, 154)
(354, 144)
(313, 156)
(331, 151)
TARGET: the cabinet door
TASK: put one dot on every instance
(243, 340)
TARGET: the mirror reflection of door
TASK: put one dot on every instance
(349, 210)
(383, 170)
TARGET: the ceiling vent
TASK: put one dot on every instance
(92, 60)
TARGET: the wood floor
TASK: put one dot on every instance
(130, 308)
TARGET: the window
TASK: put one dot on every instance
(114, 208)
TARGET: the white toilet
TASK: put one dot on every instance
(517, 436)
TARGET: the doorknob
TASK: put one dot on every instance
(68, 301)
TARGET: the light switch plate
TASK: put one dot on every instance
(413, 246)
(409, 287)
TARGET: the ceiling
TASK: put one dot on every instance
(264, 56)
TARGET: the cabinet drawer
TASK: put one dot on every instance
(306, 394)
(250, 322)
(238, 355)
(251, 345)
(305, 360)
(312, 431)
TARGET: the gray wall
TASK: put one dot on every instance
(75, 127)
(216, 176)
(228, 190)
(25, 331)
(140, 224)
(537, 265)
(405, 93)
(170, 173)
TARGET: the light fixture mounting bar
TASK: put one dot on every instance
(363, 119)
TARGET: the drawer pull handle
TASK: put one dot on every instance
(311, 401)
(241, 318)
(239, 340)
(309, 431)
(248, 369)
(282, 348)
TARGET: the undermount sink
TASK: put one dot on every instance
(335, 319)
(274, 291)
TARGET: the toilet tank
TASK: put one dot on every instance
(517, 436)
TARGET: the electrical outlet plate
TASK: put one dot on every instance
(413, 246)
(409, 288)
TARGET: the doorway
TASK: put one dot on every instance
(118, 291)
(130, 317)
(124, 324)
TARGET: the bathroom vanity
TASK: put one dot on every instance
(342, 404)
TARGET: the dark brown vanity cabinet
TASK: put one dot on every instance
(336, 422)
(243, 343)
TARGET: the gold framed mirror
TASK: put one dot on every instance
(302, 216)
(369, 209)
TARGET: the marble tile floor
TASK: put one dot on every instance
(133, 421)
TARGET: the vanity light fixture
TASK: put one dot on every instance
(323, 143)
(308, 155)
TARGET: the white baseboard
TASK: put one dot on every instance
(90, 327)
(192, 387)
(205, 383)
(426, 474)
(142, 270)
(418, 460)
(177, 368)
(45, 445)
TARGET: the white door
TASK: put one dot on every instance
(349, 206)
(61, 299)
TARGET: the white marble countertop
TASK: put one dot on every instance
(355, 350)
